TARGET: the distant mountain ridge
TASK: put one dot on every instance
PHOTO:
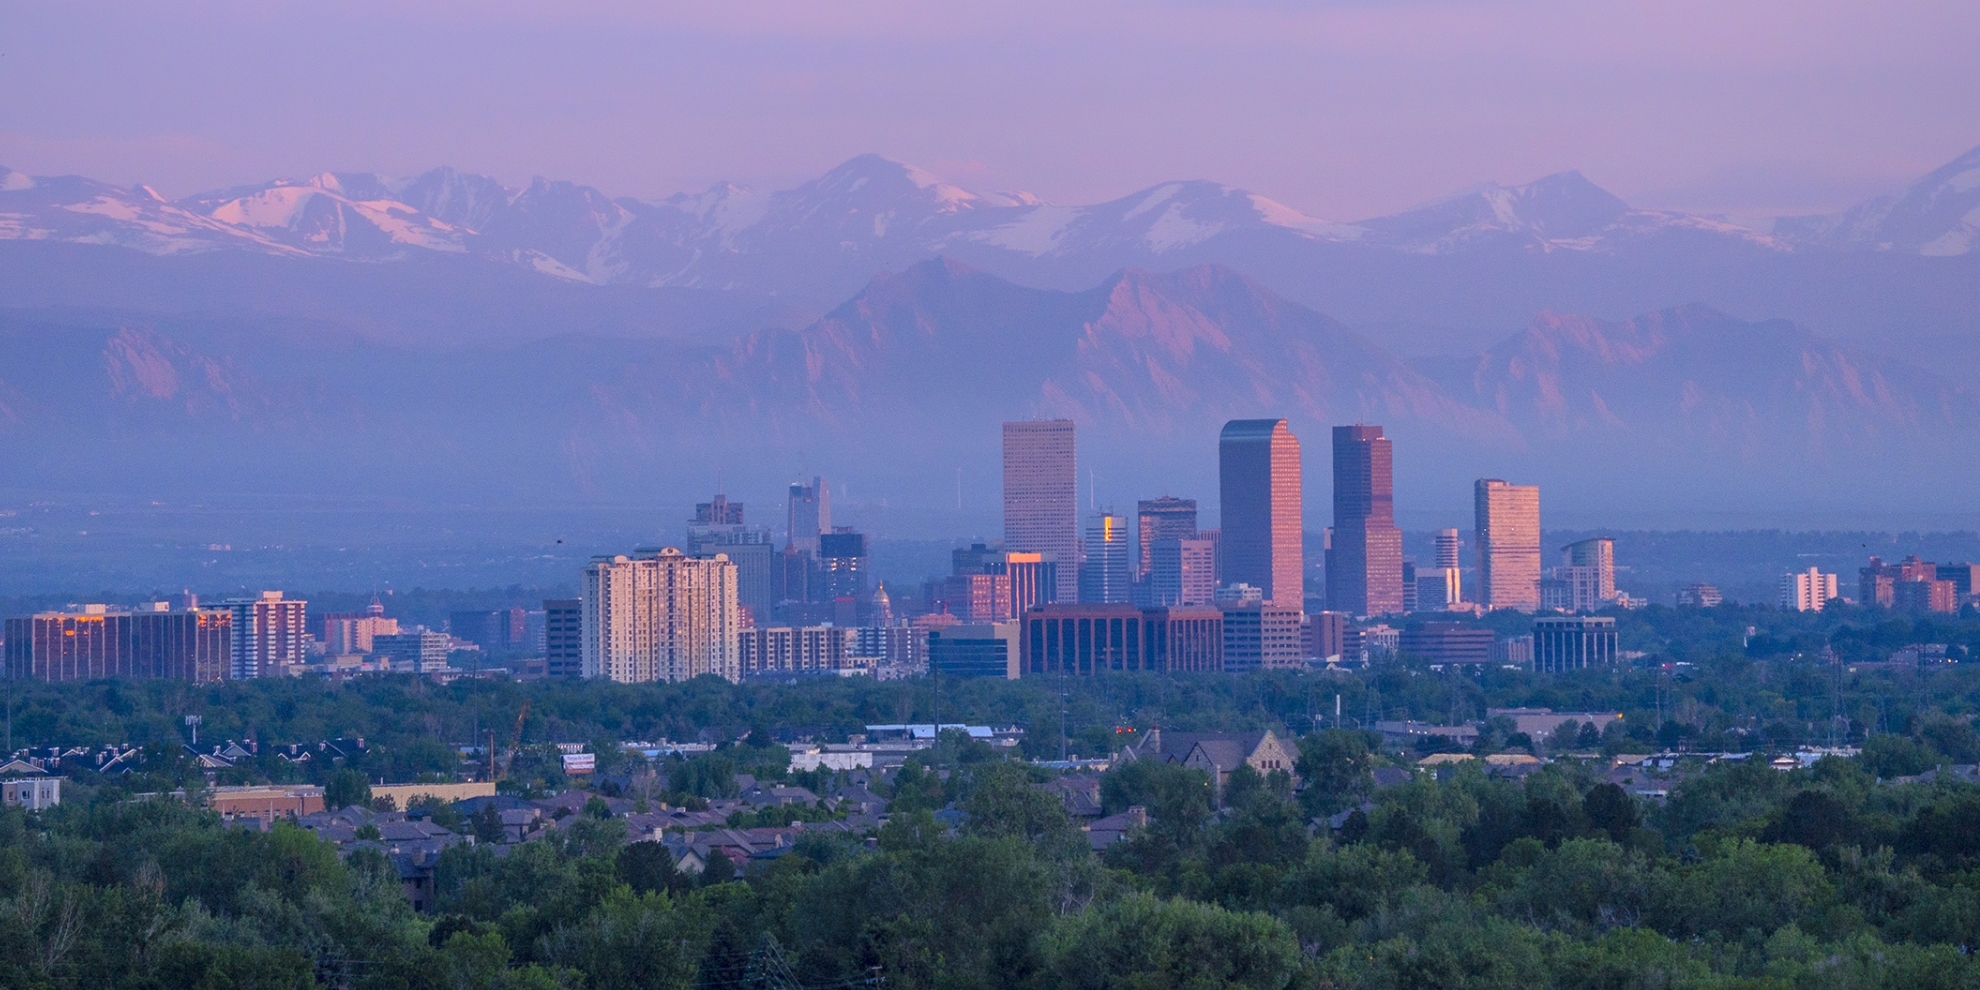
(883, 211)
(903, 384)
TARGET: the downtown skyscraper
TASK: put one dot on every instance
(1508, 519)
(1364, 568)
(1259, 500)
(1157, 519)
(1041, 497)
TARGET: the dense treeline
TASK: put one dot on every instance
(1746, 877)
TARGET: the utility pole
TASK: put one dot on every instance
(1062, 709)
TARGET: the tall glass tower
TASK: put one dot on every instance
(1259, 496)
(1364, 568)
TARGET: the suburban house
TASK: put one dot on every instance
(1218, 753)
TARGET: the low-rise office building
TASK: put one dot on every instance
(151, 643)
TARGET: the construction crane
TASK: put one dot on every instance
(515, 740)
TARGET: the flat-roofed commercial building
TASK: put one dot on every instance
(1084, 640)
(987, 650)
(1570, 642)
(1447, 642)
(417, 652)
(1259, 636)
(1182, 572)
(96, 643)
(563, 637)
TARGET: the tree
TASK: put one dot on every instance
(487, 823)
(1139, 941)
(1003, 802)
(1336, 766)
(1565, 737)
(1814, 819)
(1610, 810)
(347, 787)
(646, 867)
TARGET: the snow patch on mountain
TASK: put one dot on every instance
(1173, 229)
(1037, 232)
(1280, 215)
(1154, 198)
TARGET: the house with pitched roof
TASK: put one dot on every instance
(1218, 753)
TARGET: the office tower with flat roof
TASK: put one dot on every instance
(845, 565)
(1041, 497)
(1259, 506)
(1104, 578)
(1571, 642)
(1261, 636)
(660, 616)
(718, 528)
(416, 651)
(1441, 587)
(1508, 544)
(563, 637)
(150, 642)
(1364, 566)
(1089, 640)
(1156, 519)
(1034, 580)
(981, 650)
(1183, 572)
(1448, 548)
(268, 634)
(809, 514)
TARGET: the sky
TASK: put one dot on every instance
(1340, 109)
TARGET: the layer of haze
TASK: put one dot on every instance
(1343, 110)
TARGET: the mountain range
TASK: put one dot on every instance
(899, 390)
(462, 259)
(730, 237)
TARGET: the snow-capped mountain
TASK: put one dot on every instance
(1938, 216)
(827, 235)
(1563, 211)
(1446, 275)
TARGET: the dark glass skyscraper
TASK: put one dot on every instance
(1259, 492)
(1364, 568)
(1165, 518)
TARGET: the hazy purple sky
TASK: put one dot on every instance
(1340, 109)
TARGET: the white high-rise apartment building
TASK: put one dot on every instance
(269, 635)
(1807, 591)
(661, 616)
